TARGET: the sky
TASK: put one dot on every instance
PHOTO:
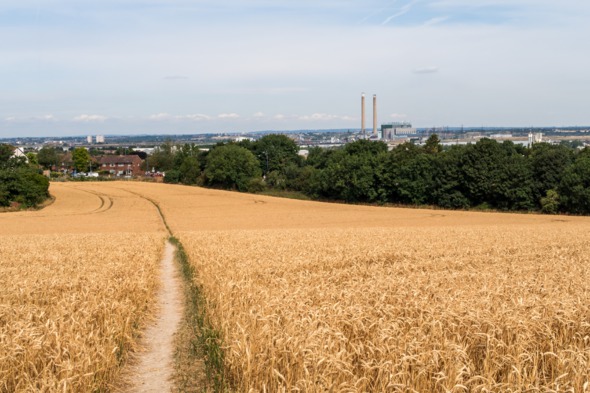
(72, 67)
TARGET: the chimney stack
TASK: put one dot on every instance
(375, 115)
(363, 114)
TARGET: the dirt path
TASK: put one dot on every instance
(154, 369)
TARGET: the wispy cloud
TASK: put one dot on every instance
(90, 118)
(437, 20)
(228, 116)
(195, 117)
(49, 117)
(402, 11)
(168, 117)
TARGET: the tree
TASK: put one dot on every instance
(20, 182)
(550, 203)
(33, 161)
(352, 174)
(574, 189)
(407, 176)
(81, 159)
(275, 151)
(432, 145)
(48, 157)
(548, 165)
(231, 166)
(162, 159)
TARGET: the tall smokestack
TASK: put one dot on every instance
(363, 114)
(375, 115)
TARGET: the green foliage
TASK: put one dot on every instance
(172, 176)
(351, 174)
(33, 162)
(274, 152)
(48, 157)
(549, 162)
(163, 158)
(408, 176)
(22, 185)
(574, 189)
(81, 159)
(550, 203)
(432, 145)
(231, 166)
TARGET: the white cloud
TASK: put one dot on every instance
(45, 118)
(89, 118)
(194, 117)
(10, 118)
(318, 116)
(258, 115)
(229, 116)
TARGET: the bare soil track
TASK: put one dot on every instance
(153, 369)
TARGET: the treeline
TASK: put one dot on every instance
(20, 181)
(484, 175)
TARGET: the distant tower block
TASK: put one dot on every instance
(100, 139)
(375, 115)
(363, 114)
(89, 139)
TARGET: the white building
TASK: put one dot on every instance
(390, 130)
(89, 139)
(100, 139)
(535, 138)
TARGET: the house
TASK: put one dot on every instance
(121, 165)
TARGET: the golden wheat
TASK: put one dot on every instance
(76, 287)
(324, 297)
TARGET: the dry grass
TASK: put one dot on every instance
(76, 287)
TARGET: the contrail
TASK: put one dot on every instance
(404, 10)
(380, 11)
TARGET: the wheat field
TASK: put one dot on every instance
(325, 297)
(77, 283)
(307, 296)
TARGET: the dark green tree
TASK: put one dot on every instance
(432, 145)
(574, 189)
(231, 166)
(275, 151)
(408, 175)
(48, 157)
(163, 158)
(549, 163)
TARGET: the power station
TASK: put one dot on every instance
(388, 130)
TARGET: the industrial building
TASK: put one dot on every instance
(392, 130)
(388, 130)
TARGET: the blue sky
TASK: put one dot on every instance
(151, 66)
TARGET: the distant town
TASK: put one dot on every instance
(391, 133)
